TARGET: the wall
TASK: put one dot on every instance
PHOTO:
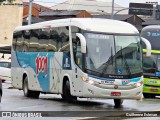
(10, 17)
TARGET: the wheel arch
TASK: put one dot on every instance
(23, 77)
(65, 78)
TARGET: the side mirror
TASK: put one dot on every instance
(83, 42)
(148, 46)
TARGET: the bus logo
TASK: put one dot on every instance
(41, 64)
(66, 63)
(125, 82)
(148, 33)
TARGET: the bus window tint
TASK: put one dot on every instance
(19, 41)
(26, 35)
(75, 44)
(149, 65)
(43, 40)
(34, 39)
(15, 35)
(64, 39)
(53, 44)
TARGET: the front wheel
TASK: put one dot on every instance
(67, 94)
(0, 97)
(27, 92)
(118, 102)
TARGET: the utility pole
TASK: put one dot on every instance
(112, 9)
(30, 12)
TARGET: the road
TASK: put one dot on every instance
(14, 100)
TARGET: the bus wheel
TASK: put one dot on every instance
(0, 97)
(27, 92)
(118, 102)
(66, 93)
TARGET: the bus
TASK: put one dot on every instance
(78, 58)
(151, 63)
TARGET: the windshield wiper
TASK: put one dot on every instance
(107, 63)
(126, 63)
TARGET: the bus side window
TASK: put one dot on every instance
(44, 40)
(14, 40)
(18, 41)
(52, 44)
(78, 53)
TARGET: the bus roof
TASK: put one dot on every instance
(90, 24)
(151, 27)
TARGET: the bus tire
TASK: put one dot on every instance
(0, 97)
(27, 92)
(67, 94)
(118, 102)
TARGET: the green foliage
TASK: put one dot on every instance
(2, 0)
(9, 1)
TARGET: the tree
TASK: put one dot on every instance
(2, 1)
(10, 1)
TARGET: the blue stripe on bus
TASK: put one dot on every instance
(39, 62)
(135, 79)
(101, 78)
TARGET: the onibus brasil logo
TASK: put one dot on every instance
(41, 64)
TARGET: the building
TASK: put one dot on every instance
(34, 20)
(132, 19)
(150, 21)
(91, 6)
(10, 18)
(61, 14)
(40, 8)
(36, 9)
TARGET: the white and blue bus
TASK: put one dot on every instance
(78, 57)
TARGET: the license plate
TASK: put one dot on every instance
(154, 90)
(115, 94)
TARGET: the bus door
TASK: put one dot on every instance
(77, 69)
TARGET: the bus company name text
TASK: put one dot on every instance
(41, 64)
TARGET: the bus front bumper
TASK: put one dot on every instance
(151, 89)
(96, 92)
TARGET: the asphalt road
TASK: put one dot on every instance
(51, 105)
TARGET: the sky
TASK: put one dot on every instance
(123, 3)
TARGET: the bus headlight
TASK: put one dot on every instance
(88, 80)
(138, 84)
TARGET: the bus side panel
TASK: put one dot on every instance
(66, 71)
(16, 72)
(55, 72)
(36, 66)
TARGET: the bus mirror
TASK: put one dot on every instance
(83, 42)
(148, 46)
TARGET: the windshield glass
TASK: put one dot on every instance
(151, 65)
(113, 54)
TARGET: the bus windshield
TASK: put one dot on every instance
(113, 54)
(151, 65)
